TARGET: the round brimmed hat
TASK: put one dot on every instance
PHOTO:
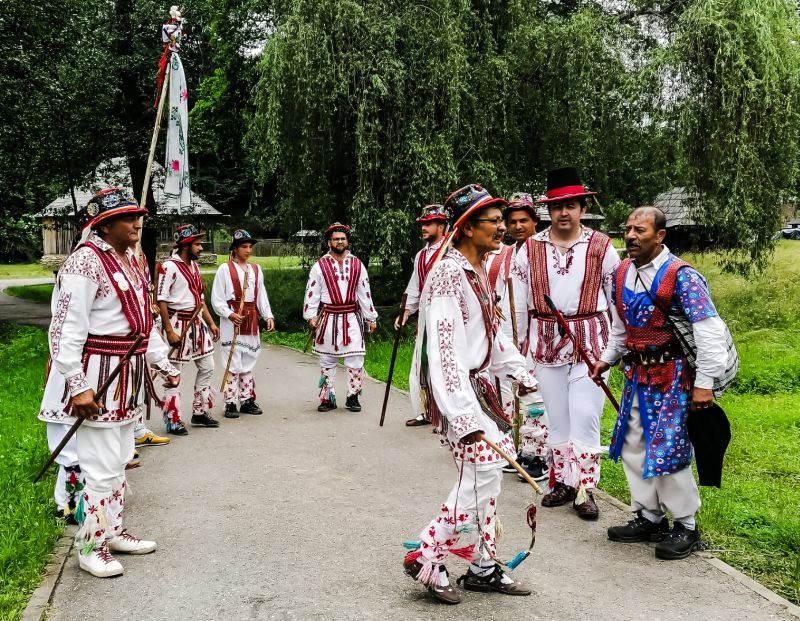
(466, 201)
(337, 227)
(186, 234)
(240, 236)
(563, 184)
(521, 201)
(433, 213)
(111, 203)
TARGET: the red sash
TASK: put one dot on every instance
(503, 258)
(249, 326)
(192, 275)
(423, 267)
(338, 306)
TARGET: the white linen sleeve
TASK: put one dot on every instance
(219, 293)
(264, 309)
(158, 352)
(168, 279)
(446, 336)
(508, 362)
(615, 347)
(313, 293)
(364, 296)
(69, 328)
(412, 290)
(712, 351)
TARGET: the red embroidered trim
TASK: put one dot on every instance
(250, 324)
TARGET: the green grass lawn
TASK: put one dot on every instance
(24, 270)
(28, 529)
(35, 293)
(267, 262)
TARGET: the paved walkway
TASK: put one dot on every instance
(23, 311)
(301, 515)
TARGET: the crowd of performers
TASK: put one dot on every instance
(492, 367)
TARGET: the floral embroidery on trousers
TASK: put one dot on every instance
(326, 390)
(355, 380)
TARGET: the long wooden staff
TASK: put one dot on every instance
(236, 329)
(513, 464)
(397, 335)
(197, 310)
(512, 308)
(581, 351)
(98, 395)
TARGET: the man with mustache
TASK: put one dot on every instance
(660, 385)
(574, 266)
(521, 219)
(459, 347)
(100, 306)
(339, 283)
(179, 294)
(433, 223)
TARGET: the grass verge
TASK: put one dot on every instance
(28, 529)
(24, 270)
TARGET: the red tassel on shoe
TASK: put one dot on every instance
(413, 556)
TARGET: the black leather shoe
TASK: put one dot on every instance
(250, 407)
(326, 406)
(352, 403)
(230, 411)
(204, 420)
(639, 529)
(561, 495)
(493, 582)
(679, 543)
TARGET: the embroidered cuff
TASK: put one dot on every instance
(702, 380)
(77, 383)
(464, 424)
(528, 380)
(166, 368)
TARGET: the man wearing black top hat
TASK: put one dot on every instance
(651, 434)
(573, 266)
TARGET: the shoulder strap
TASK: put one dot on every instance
(328, 275)
(237, 285)
(622, 272)
(540, 282)
(593, 274)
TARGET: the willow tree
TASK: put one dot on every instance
(739, 105)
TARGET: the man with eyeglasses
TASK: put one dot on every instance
(574, 266)
(458, 349)
(180, 292)
(433, 223)
(521, 219)
(338, 302)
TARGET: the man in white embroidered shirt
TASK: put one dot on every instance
(459, 348)
(102, 305)
(661, 386)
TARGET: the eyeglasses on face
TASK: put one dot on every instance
(493, 221)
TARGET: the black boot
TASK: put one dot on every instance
(352, 403)
(250, 407)
(679, 543)
(639, 529)
(230, 411)
(204, 420)
(327, 406)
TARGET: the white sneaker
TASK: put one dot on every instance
(126, 543)
(100, 563)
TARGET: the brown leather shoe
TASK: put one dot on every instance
(446, 595)
(492, 582)
(561, 495)
(587, 510)
(417, 422)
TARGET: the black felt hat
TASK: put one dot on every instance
(710, 434)
(563, 184)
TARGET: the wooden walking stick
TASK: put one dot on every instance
(513, 464)
(98, 395)
(236, 329)
(512, 309)
(581, 352)
(179, 346)
(397, 335)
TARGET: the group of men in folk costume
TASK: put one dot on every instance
(338, 302)
(612, 311)
(239, 298)
(101, 305)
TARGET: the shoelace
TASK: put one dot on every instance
(127, 536)
(105, 554)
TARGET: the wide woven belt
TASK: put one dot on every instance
(340, 309)
(183, 315)
(648, 358)
(112, 345)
